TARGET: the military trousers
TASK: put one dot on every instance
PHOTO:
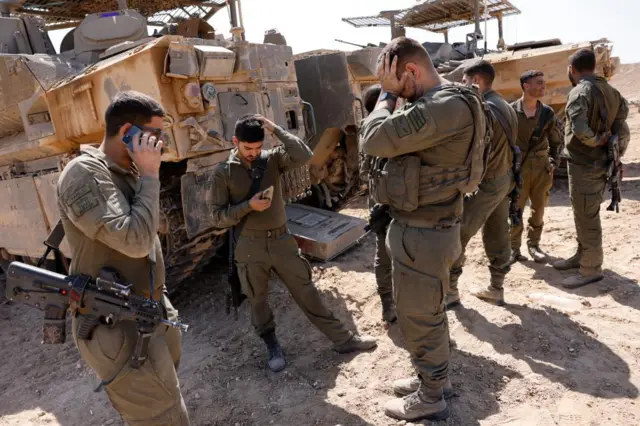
(382, 264)
(259, 252)
(488, 209)
(150, 395)
(421, 259)
(587, 185)
(536, 183)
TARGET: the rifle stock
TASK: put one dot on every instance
(614, 173)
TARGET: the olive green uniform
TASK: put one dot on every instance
(488, 208)
(265, 242)
(423, 243)
(588, 162)
(538, 158)
(110, 217)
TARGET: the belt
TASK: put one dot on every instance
(417, 223)
(271, 233)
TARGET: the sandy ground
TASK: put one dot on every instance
(550, 357)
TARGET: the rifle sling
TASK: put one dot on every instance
(604, 116)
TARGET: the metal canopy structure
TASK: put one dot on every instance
(437, 15)
(65, 14)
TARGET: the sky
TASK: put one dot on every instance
(309, 24)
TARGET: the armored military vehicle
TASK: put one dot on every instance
(52, 105)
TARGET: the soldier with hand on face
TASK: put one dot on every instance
(379, 222)
(262, 240)
(488, 208)
(594, 112)
(109, 202)
(429, 165)
(540, 143)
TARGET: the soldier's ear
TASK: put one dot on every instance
(235, 140)
(124, 129)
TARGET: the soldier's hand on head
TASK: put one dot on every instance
(147, 153)
(258, 204)
(387, 73)
(266, 123)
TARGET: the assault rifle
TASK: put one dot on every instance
(614, 173)
(100, 301)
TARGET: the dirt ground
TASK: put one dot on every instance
(549, 357)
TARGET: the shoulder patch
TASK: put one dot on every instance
(81, 199)
(417, 119)
(401, 124)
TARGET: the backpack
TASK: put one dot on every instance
(478, 156)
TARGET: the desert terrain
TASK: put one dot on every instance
(551, 356)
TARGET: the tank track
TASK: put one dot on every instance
(183, 258)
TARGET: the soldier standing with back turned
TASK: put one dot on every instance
(540, 143)
(426, 144)
(489, 207)
(586, 144)
(264, 242)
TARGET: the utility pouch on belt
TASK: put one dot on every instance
(396, 182)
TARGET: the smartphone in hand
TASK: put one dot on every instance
(128, 137)
(267, 194)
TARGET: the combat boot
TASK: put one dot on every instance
(516, 256)
(538, 255)
(579, 280)
(404, 387)
(490, 294)
(356, 343)
(571, 263)
(413, 407)
(389, 314)
(276, 356)
(452, 299)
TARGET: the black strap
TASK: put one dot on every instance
(546, 114)
(602, 106)
(257, 171)
(504, 123)
(53, 243)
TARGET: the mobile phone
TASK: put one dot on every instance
(267, 194)
(128, 137)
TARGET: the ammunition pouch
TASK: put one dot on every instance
(395, 182)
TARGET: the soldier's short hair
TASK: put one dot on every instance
(249, 129)
(482, 68)
(407, 50)
(528, 75)
(370, 97)
(130, 107)
(584, 60)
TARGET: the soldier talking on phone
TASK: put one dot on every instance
(109, 202)
(262, 241)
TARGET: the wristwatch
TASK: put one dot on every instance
(386, 95)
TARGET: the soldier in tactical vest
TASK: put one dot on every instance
(433, 152)
(594, 112)
(540, 143)
(379, 220)
(489, 207)
(109, 203)
(263, 240)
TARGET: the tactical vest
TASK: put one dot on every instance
(405, 184)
